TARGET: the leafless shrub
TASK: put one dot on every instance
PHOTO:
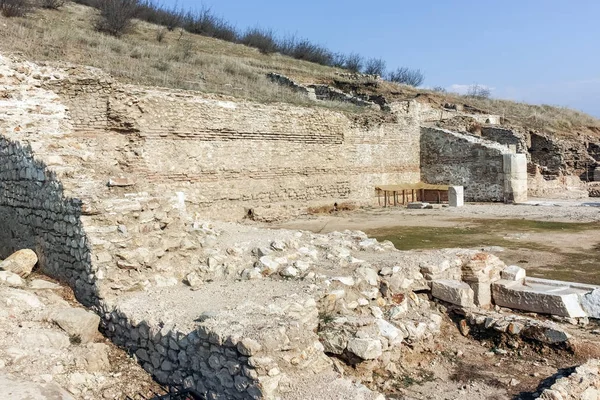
(205, 23)
(116, 15)
(262, 39)
(160, 34)
(52, 4)
(14, 8)
(375, 66)
(339, 60)
(149, 10)
(354, 62)
(303, 49)
(439, 89)
(479, 92)
(407, 76)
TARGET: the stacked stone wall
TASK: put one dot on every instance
(456, 159)
(34, 213)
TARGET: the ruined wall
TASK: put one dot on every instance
(226, 155)
(35, 214)
(508, 137)
(456, 159)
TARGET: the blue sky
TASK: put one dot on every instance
(538, 51)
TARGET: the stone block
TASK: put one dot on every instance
(365, 348)
(418, 206)
(78, 322)
(515, 177)
(21, 262)
(456, 196)
(540, 299)
(482, 292)
(454, 292)
(591, 304)
(513, 273)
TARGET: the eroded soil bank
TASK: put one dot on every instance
(551, 240)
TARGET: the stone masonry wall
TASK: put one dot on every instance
(35, 214)
(228, 156)
(455, 159)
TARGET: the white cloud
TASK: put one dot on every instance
(464, 89)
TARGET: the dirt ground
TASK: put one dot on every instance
(455, 367)
(555, 240)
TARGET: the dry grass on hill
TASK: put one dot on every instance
(180, 60)
(186, 61)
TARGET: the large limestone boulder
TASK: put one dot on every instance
(591, 304)
(20, 262)
(454, 292)
(78, 322)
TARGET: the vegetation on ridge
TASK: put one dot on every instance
(171, 57)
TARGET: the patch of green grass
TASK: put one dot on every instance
(479, 233)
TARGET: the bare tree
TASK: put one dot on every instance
(354, 62)
(479, 92)
(375, 66)
(407, 76)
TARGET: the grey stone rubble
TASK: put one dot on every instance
(517, 325)
(322, 92)
(285, 81)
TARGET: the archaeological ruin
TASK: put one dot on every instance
(151, 204)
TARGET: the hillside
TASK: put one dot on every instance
(194, 62)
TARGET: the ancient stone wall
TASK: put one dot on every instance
(456, 159)
(225, 155)
(508, 137)
(35, 214)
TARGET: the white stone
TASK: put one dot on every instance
(389, 331)
(78, 322)
(269, 265)
(41, 284)
(454, 292)
(346, 280)
(365, 348)
(369, 275)
(513, 273)
(456, 196)
(541, 299)
(11, 279)
(20, 262)
(591, 304)
(289, 272)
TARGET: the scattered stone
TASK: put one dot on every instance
(20, 262)
(289, 272)
(193, 280)
(367, 348)
(513, 273)
(454, 292)
(464, 328)
(41, 284)
(591, 304)
(418, 206)
(78, 322)
(11, 279)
